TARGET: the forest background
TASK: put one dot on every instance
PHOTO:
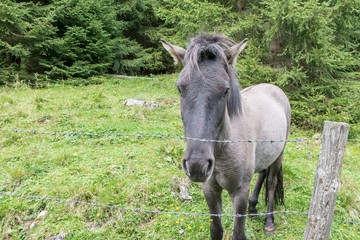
(309, 48)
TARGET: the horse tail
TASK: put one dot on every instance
(279, 190)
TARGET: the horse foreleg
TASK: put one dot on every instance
(213, 199)
(240, 199)
(253, 200)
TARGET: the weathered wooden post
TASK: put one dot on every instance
(327, 181)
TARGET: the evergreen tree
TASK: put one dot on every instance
(78, 38)
(83, 40)
(138, 51)
(14, 28)
(292, 43)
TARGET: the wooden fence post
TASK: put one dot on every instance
(327, 181)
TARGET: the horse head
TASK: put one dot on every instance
(209, 94)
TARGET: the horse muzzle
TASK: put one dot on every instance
(198, 170)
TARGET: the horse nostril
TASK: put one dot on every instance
(185, 167)
(210, 165)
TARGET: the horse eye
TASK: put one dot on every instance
(226, 92)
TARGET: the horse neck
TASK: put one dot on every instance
(225, 128)
(231, 123)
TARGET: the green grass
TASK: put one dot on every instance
(130, 172)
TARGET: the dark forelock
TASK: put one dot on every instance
(206, 44)
(213, 45)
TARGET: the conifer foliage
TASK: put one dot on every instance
(61, 39)
(292, 43)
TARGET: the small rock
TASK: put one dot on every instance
(151, 104)
(60, 236)
(39, 218)
(182, 185)
(184, 193)
(135, 102)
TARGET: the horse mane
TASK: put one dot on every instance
(206, 46)
(210, 46)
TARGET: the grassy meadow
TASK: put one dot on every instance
(130, 172)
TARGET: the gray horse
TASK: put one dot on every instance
(213, 108)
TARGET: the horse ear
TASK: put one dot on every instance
(234, 51)
(178, 53)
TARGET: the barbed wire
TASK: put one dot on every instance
(160, 212)
(156, 136)
(160, 136)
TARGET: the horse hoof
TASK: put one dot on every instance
(269, 230)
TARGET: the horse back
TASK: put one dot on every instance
(264, 101)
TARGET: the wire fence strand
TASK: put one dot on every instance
(160, 212)
(161, 136)
(156, 136)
